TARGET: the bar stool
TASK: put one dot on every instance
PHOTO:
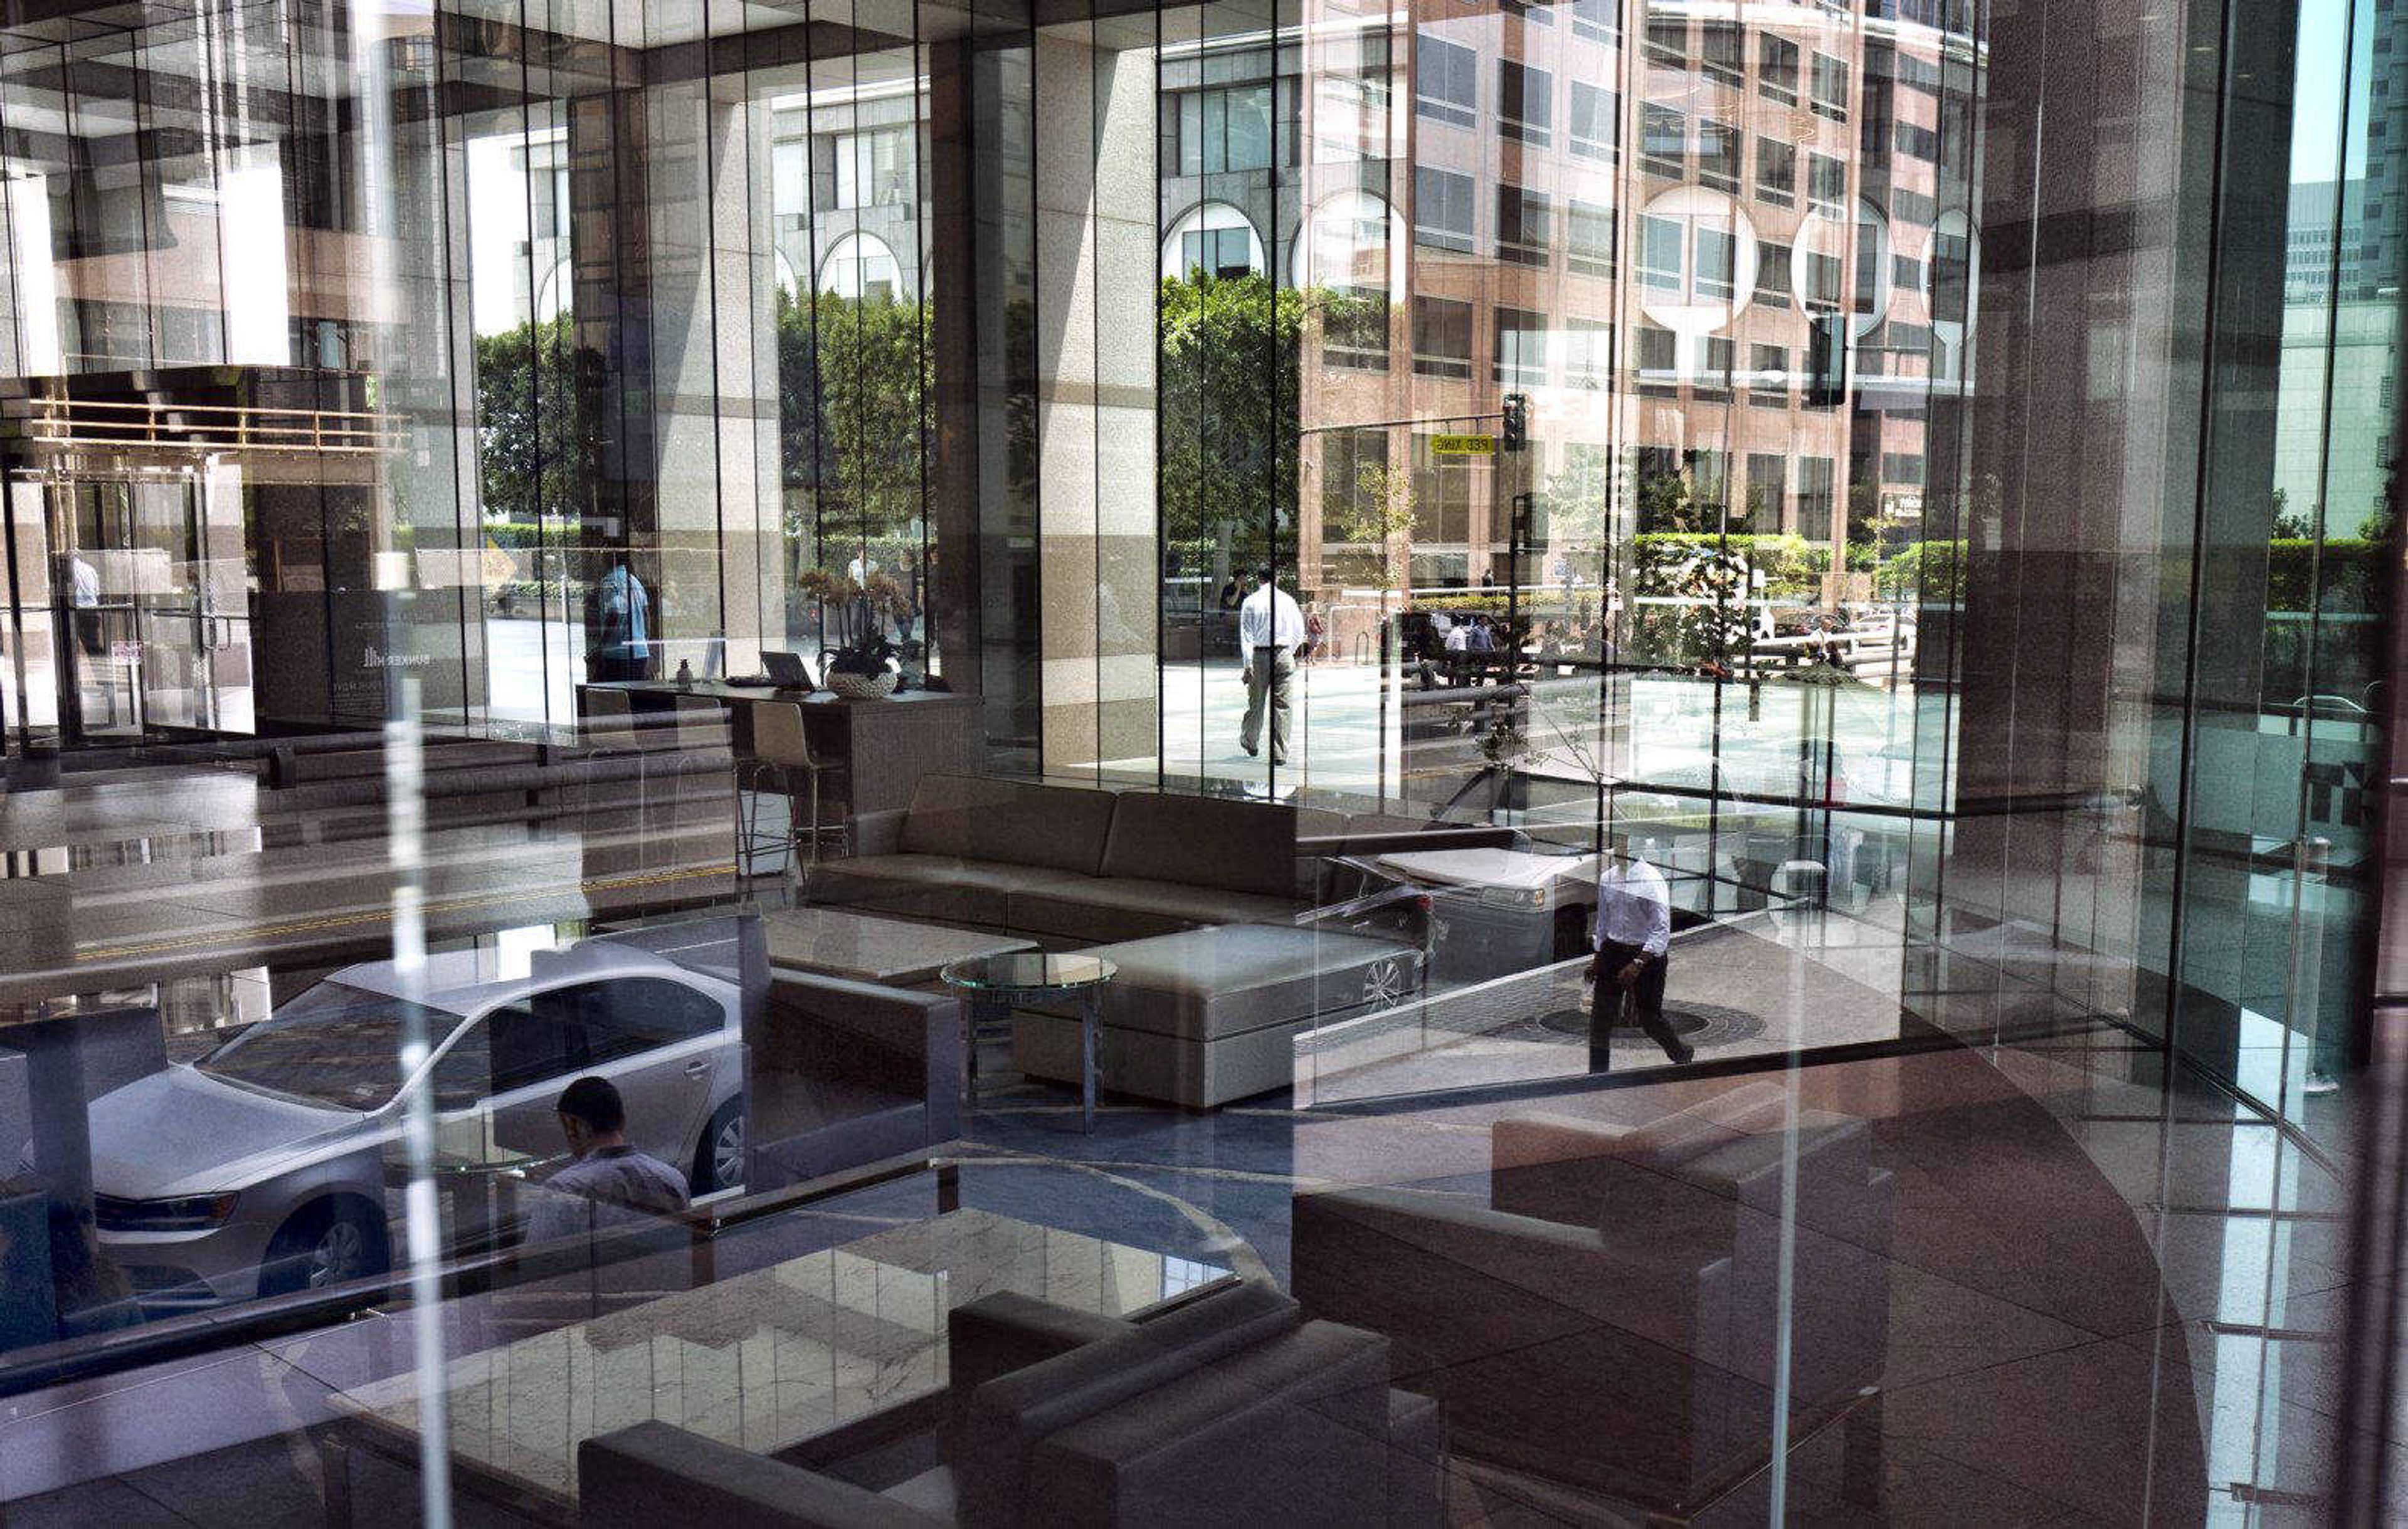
(781, 749)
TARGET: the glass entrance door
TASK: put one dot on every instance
(149, 590)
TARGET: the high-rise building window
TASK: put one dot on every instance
(1588, 238)
(1716, 358)
(1663, 262)
(1667, 41)
(1218, 132)
(1717, 264)
(1719, 150)
(1768, 383)
(1950, 255)
(1521, 359)
(1442, 217)
(1442, 337)
(1221, 252)
(1658, 350)
(1776, 172)
(1773, 278)
(1830, 87)
(1599, 20)
(1814, 499)
(1354, 329)
(1524, 226)
(1921, 142)
(1718, 52)
(1525, 103)
(1827, 179)
(1905, 273)
(1588, 353)
(1822, 286)
(1446, 79)
(1776, 68)
(1904, 468)
(1911, 207)
(1767, 471)
(1663, 140)
(1597, 122)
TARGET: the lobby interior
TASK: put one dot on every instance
(721, 548)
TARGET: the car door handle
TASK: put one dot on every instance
(697, 1066)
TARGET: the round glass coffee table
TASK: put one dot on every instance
(995, 985)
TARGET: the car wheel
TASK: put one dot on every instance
(719, 1160)
(323, 1245)
(1385, 983)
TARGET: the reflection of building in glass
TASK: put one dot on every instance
(1785, 179)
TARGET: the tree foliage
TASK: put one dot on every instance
(1229, 349)
(853, 387)
(537, 454)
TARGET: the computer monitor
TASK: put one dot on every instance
(786, 670)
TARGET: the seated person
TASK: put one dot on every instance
(611, 1184)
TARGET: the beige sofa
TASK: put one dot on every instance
(1229, 942)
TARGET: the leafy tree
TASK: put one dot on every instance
(1229, 347)
(537, 456)
(1373, 511)
(1667, 502)
(2290, 524)
(853, 385)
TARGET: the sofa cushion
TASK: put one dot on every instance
(1204, 984)
(944, 888)
(1018, 822)
(655, 1473)
(1291, 1431)
(1125, 907)
(1204, 841)
(1009, 1415)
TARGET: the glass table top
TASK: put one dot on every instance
(1025, 969)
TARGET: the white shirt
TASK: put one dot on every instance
(1633, 907)
(1458, 639)
(1270, 618)
(616, 1186)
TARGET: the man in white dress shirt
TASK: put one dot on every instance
(1271, 629)
(1633, 939)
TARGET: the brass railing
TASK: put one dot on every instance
(65, 423)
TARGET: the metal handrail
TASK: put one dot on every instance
(239, 427)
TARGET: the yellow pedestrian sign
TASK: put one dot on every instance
(1464, 446)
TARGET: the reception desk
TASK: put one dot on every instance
(883, 746)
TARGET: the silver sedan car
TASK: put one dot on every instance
(265, 1166)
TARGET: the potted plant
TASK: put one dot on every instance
(856, 665)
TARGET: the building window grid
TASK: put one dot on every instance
(1446, 81)
(1720, 56)
(1589, 239)
(1768, 380)
(1442, 337)
(1525, 103)
(1595, 130)
(1776, 172)
(1776, 68)
(1773, 276)
(1721, 150)
(1524, 226)
(1663, 140)
(1830, 87)
(1667, 41)
(1520, 356)
(1443, 209)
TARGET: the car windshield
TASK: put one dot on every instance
(334, 1044)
